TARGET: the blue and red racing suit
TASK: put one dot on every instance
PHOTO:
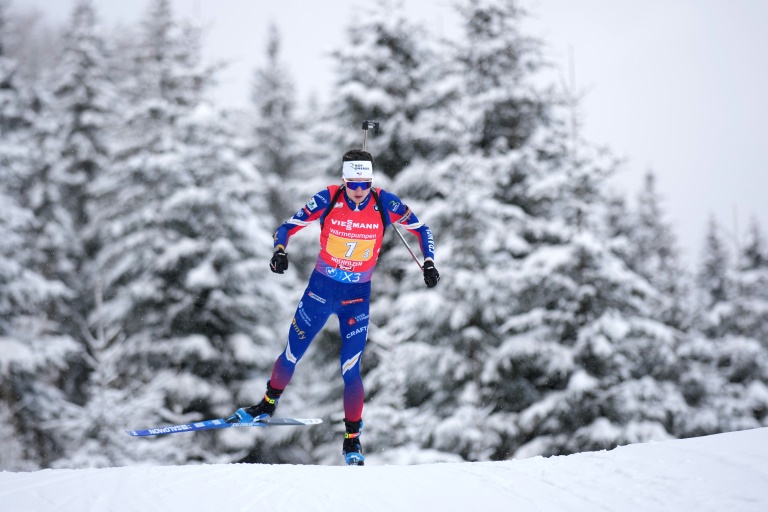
(350, 242)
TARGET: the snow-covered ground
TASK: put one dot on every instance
(726, 472)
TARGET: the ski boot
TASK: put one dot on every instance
(353, 450)
(261, 411)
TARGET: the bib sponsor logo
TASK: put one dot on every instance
(304, 316)
(358, 318)
(349, 225)
(342, 275)
(297, 330)
(345, 265)
(317, 297)
(357, 331)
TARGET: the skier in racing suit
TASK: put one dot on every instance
(353, 218)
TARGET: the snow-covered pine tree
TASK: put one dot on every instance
(654, 255)
(609, 369)
(726, 360)
(17, 116)
(84, 100)
(584, 361)
(714, 278)
(597, 367)
(210, 346)
(72, 131)
(32, 358)
(749, 316)
(749, 364)
(179, 222)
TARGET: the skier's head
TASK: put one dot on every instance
(357, 172)
(357, 164)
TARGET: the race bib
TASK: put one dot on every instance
(349, 249)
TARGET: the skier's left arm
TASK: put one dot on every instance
(399, 213)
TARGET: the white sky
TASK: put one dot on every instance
(721, 473)
(678, 87)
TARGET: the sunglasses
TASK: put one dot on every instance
(354, 185)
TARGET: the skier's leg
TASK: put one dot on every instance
(353, 323)
(311, 314)
(353, 316)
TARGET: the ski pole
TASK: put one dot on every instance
(367, 125)
(408, 247)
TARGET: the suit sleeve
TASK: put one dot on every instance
(399, 213)
(308, 213)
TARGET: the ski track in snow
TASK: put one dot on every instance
(726, 472)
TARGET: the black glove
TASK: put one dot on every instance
(279, 262)
(431, 276)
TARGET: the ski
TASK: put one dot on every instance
(221, 423)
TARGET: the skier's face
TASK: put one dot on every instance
(355, 192)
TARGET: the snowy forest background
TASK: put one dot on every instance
(136, 231)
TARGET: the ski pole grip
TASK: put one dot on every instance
(367, 125)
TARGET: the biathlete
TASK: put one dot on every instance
(353, 218)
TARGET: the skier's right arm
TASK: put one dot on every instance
(309, 213)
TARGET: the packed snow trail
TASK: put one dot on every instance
(726, 472)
